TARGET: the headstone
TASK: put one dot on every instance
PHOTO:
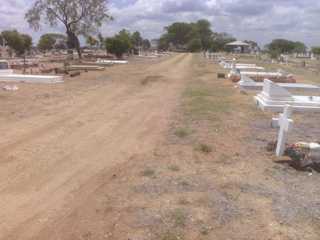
(275, 97)
(274, 91)
(285, 124)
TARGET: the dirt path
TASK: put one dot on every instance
(160, 150)
(49, 159)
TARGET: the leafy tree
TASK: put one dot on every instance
(194, 45)
(125, 35)
(299, 47)
(119, 44)
(185, 35)
(164, 42)
(219, 41)
(282, 46)
(203, 28)
(20, 43)
(79, 17)
(146, 44)
(91, 41)
(136, 39)
(316, 50)
(179, 33)
(51, 41)
(46, 42)
(1, 40)
(27, 42)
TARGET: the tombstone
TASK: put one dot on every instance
(248, 84)
(285, 124)
(275, 98)
(274, 91)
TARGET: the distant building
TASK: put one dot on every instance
(239, 47)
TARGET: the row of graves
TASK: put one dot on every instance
(53, 68)
(279, 93)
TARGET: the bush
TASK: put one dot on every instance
(119, 44)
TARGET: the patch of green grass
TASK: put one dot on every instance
(174, 168)
(182, 132)
(148, 173)
(204, 148)
(179, 217)
(206, 102)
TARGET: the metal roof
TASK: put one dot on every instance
(238, 43)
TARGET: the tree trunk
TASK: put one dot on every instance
(73, 42)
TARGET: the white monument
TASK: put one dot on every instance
(274, 98)
(248, 84)
(285, 124)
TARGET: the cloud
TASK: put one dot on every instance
(256, 20)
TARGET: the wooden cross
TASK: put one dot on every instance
(285, 124)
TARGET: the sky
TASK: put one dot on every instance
(258, 20)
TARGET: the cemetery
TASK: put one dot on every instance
(139, 121)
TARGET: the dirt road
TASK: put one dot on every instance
(50, 162)
(154, 150)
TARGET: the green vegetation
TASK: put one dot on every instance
(20, 43)
(136, 40)
(77, 16)
(203, 103)
(220, 40)
(316, 50)
(124, 42)
(119, 44)
(51, 41)
(283, 46)
(193, 37)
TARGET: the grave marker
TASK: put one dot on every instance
(285, 124)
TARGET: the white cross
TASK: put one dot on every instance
(285, 124)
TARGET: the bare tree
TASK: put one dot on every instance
(80, 17)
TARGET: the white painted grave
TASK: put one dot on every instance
(248, 84)
(274, 98)
(112, 61)
(7, 75)
(262, 74)
(30, 78)
(285, 124)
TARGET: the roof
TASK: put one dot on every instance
(238, 43)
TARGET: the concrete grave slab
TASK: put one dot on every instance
(30, 78)
(274, 98)
(248, 84)
(112, 61)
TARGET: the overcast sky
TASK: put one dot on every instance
(259, 20)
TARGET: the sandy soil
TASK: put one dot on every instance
(151, 150)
